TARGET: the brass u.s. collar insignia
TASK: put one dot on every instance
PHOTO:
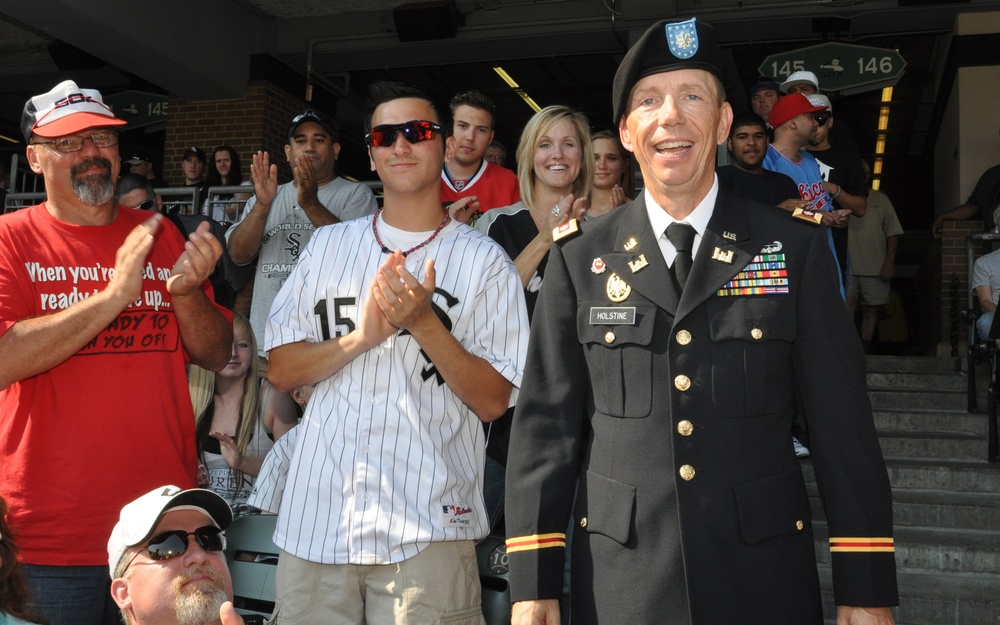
(637, 264)
(729, 235)
(630, 244)
(723, 256)
(618, 289)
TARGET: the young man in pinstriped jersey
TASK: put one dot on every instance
(409, 351)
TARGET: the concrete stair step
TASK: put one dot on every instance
(953, 598)
(932, 509)
(943, 445)
(948, 399)
(949, 476)
(930, 420)
(934, 550)
(915, 364)
(917, 381)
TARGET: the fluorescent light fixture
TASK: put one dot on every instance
(506, 77)
(517, 88)
(883, 127)
(527, 98)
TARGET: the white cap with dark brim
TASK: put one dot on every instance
(138, 518)
(65, 110)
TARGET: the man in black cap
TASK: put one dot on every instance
(763, 95)
(141, 163)
(279, 220)
(193, 167)
(660, 376)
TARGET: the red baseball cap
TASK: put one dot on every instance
(790, 106)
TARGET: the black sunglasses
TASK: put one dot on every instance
(821, 119)
(414, 131)
(174, 543)
(146, 205)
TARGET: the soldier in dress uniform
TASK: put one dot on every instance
(659, 391)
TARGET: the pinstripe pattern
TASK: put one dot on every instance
(388, 459)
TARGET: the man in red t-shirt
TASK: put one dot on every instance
(101, 307)
(469, 174)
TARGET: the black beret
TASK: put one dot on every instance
(665, 47)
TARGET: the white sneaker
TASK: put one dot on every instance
(801, 451)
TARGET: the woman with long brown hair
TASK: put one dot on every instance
(13, 588)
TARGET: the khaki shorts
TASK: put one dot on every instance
(438, 585)
(874, 290)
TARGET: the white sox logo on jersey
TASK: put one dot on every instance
(342, 320)
(294, 244)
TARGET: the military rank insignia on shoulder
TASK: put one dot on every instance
(808, 215)
(566, 231)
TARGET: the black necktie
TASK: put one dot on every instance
(682, 236)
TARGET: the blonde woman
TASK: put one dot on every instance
(232, 439)
(614, 180)
(555, 169)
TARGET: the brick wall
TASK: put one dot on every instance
(954, 261)
(257, 121)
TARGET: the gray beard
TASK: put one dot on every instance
(199, 607)
(94, 189)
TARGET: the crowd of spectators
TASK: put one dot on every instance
(196, 306)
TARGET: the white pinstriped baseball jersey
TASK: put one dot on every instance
(270, 482)
(388, 459)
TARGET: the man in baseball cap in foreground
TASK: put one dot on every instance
(166, 559)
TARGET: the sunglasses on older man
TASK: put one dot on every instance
(174, 543)
(821, 119)
(414, 131)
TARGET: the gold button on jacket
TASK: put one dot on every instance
(683, 337)
(685, 428)
(687, 472)
(682, 383)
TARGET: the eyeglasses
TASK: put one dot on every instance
(414, 131)
(821, 119)
(74, 143)
(146, 205)
(174, 543)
